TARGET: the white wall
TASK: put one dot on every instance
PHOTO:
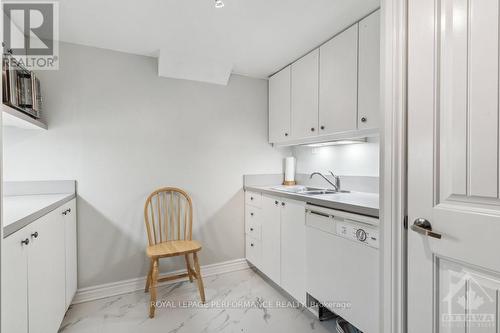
(121, 132)
(360, 159)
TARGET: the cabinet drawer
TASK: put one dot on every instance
(253, 230)
(253, 251)
(253, 221)
(253, 198)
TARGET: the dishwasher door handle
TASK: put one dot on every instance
(320, 213)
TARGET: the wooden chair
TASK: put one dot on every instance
(168, 214)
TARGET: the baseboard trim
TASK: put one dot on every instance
(127, 286)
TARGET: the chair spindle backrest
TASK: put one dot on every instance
(168, 214)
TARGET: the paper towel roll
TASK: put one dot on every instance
(290, 169)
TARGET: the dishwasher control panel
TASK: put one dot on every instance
(358, 233)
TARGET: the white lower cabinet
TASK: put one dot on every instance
(46, 276)
(15, 284)
(278, 249)
(271, 238)
(34, 285)
(69, 220)
(293, 249)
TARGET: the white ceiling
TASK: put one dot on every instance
(251, 37)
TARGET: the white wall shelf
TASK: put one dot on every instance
(15, 118)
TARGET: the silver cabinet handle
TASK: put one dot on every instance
(422, 226)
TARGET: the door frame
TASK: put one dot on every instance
(393, 166)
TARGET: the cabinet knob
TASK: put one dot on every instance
(69, 210)
(312, 129)
(282, 203)
(35, 234)
(251, 229)
(251, 244)
(363, 119)
(322, 127)
(276, 202)
(25, 242)
(251, 198)
(286, 134)
(251, 214)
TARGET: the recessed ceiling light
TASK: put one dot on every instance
(219, 4)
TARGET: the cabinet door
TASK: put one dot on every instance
(69, 220)
(271, 238)
(293, 249)
(46, 274)
(338, 82)
(305, 96)
(279, 106)
(369, 72)
(15, 283)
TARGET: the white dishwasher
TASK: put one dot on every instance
(342, 264)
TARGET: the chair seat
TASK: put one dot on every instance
(172, 248)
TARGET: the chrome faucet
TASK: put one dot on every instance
(336, 180)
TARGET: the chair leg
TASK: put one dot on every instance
(154, 282)
(188, 266)
(198, 277)
(148, 279)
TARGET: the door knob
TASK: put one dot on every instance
(422, 226)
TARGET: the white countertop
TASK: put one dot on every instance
(21, 210)
(355, 202)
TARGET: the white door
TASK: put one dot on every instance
(69, 220)
(293, 249)
(338, 82)
(453, 166)
(46, 279)
(304, 103)
(15, 283)
(279, 106)
(369, 72)
(271, 238)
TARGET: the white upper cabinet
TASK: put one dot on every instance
(304, 96)
(279, 106)
(331, 93)
(369, 72)
(338, 82)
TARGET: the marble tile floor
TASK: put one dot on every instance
(240, 301)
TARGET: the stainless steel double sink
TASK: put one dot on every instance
(306, 190)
